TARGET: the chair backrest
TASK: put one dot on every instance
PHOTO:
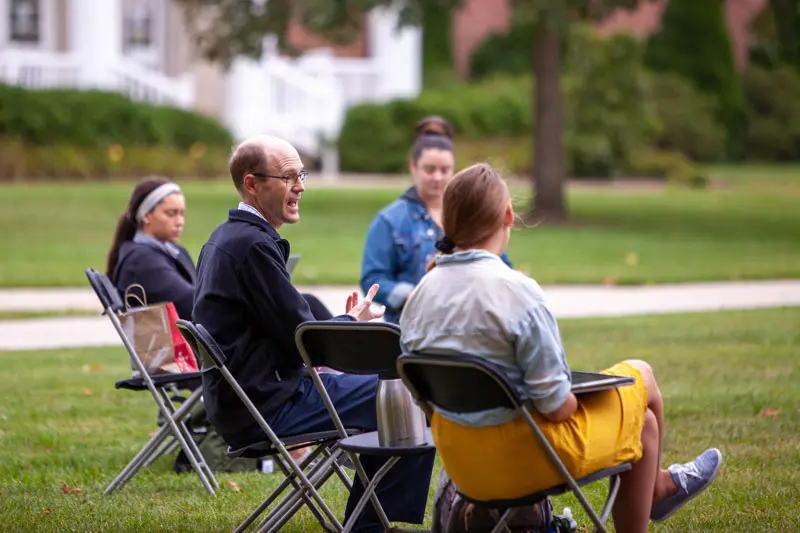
(203, 344)
(105, 290)
(456, 383)
(291, 263)
(350, 347)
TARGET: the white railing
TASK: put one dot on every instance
(359, 78)
(34, 69)
(305, 107)
(140, 83)
(38, 70)
(302, 100)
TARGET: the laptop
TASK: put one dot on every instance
(292, 262)
(583, 382)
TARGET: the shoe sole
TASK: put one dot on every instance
(696, 494)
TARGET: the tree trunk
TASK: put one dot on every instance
(549, 204)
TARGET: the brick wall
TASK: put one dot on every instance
(646, 19)
(474, 22)
(478, 19)
(307, 40)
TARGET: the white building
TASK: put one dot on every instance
(141, 48)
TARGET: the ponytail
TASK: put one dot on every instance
(126, 230)
(127, 225)
(473, 208)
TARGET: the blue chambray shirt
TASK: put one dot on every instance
(474, 304)
(400, 242)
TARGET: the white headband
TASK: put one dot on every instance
(152, 200)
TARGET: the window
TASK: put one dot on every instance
(24, 16)
(139, 26)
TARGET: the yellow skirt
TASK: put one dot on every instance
(506, 461)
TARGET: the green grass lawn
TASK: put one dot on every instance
(728, 380)
(748, 229)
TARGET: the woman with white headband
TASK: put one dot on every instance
(146, 250)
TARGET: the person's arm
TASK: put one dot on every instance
(161, 281)
(276, 303)
(379, 265)
(541, 357)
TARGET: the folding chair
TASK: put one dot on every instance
(467, 384)
(305, 478)
(357, 348)
(173, 429)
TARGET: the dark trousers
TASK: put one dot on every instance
(403, 492)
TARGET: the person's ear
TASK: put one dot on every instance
(249, 184)
(412, 167)
(509, 217)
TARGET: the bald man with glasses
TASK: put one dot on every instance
(245, 299)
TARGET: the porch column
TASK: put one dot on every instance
(248, 98)
(396, 53)
(95, 39)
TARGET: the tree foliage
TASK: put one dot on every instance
(695, 43)
(225, 29)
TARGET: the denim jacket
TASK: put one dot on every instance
(400, 242)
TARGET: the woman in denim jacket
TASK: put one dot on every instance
(401, 238)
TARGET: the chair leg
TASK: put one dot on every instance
(296, 498)
(500, 525)
(613, 489)
(369, 492)
(179, 417)
(278, 491)
(175, 428)
(277, 523)
(138, 461)
(167, 448)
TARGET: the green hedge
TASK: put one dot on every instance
(607, 103)
(694, 42)
(508, 53)
(378, 137)
(773, 98)
(93, 119)
(688, 119)
(607, 112)
(20, 161)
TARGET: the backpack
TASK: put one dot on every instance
(453, 514)
(212, 446)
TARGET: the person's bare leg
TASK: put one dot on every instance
(664, 485)
(631, 510)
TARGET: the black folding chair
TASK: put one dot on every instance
(357, 348)
(468, 384)
(173, 418)
(305, 478)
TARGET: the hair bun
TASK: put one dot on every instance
(434, 125)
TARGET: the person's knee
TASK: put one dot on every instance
(650, 383)
(643, 367)
(650, 436)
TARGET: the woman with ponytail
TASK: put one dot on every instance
(145, 249)
(472, 303)
(402, 237)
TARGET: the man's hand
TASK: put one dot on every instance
(362, 311)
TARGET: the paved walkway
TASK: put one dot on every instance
(566, 302)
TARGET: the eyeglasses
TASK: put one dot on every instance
(301, 177)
